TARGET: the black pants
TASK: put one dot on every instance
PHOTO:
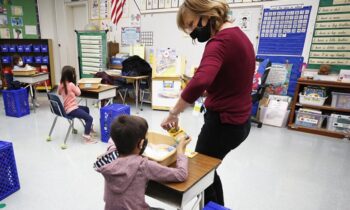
(217, 140)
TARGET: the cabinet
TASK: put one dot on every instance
(327, 109)
(35, 52)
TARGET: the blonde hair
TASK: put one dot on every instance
(215, 9)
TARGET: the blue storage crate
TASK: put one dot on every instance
(45, 59)
(36, 48)
(16, 102)
(6, 59)
(20, 48)
(9, 182)
(12, 48)
(28, 59)
(28, 48)
(38, 59)
(214, 206)
(107, 115)
(4, 48)
(44, 48)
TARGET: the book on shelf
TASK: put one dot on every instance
(315, 91)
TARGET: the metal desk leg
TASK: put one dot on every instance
(201, 202)
(137, 94)
(31, 91)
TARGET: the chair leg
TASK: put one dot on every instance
(51, 129)
(121, 97)
(126, 91)
(74, 131)
(64, 145)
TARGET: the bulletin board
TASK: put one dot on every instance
(331, 39)
(19, 19)
(283, 30)
(92, 52)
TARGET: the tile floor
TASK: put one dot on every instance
(274, 169)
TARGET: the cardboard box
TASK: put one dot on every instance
(164, 142)
(89, 83)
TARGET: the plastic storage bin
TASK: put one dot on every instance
(5, 59)
(311, 100)
(45, 59)
(339, 123)
(12, 48)
(28, 48)
(107, 115)
(20, 48)
(36, 48)
(341, 100)
(9, 182)
(16, 102)
(214, 206)
(37, 59)
(309, 120)
(4, 48)
(44, 48)
(117, 61)
(28, 59)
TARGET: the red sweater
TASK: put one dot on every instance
(226, 73)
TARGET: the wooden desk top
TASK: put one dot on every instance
(112, 74)
(33, 75)
(102, 88)
(198, 167)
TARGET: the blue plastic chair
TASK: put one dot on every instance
(58, 110)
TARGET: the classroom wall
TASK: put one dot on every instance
(166, 34)
(47, 19)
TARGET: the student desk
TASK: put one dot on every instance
(103, 92)
(32, 80)
(201, 170)
(136, 80)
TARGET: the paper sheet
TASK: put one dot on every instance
(30, 29)
(331, 40)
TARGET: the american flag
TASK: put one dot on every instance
(117, 10)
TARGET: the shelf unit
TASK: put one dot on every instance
(31, 42)
(326, 109)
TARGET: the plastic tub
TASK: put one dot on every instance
(341, 100)
(311, 100)
(309, 120)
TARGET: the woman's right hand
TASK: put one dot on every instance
(170, 121)
(181, 146)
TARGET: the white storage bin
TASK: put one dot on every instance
(341, 100)
(279, 121)
(311, 100)
(339, 123)
(309, 120)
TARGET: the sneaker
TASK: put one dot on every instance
(89, 140)
(93, 132)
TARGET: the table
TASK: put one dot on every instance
(31, 80)
(103, 92)
(136, 80)
(200, 176)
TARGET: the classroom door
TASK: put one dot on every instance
(248, 19)
(70, 17)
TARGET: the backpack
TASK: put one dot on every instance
(136, 66)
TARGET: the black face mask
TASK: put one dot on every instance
(202, 33)
(144, 145)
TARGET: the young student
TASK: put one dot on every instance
(127, 172)
(69, 92)
(18, 65)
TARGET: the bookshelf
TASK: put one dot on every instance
(326, 109)
(35, 52)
